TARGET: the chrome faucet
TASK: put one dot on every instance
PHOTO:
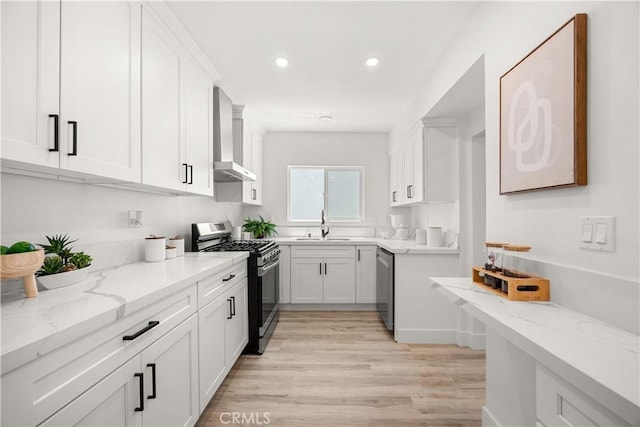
(322, 228)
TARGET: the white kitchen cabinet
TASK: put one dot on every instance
(285, 274)
(366, 274)
(323, 274)
(177, 150)
(223, 334)
(423, 168)
(156, 388)
(306, 280)
(81, 61)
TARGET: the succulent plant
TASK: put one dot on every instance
(52, 265)
(61, 257)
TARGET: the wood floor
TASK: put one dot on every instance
(344, 369)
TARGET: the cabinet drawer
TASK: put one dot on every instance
(38, 389)
(213, 286)
(559, 403)
(323, 251)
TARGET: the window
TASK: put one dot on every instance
(337, 190)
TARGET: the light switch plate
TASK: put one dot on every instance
(597, 233)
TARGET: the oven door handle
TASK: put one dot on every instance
(263, 270)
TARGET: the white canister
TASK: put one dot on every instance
(178, 243)
(421, 236)
(154, 249)
(246, 235)
(236, 234)
(171, 252)
(434, 236)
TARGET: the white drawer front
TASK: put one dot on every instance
(216, 284)
(36, 390)
(323, 251)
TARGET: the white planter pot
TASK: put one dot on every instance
(54, 281)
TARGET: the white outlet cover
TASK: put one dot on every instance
(602, 233)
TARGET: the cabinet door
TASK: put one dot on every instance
(211, 349)
(366, 274)
(285, 274)
(407, 172)
(237, 327)
(256, 165)
(441, 163)
(111, 402)
(100, 88)
(395, 182)
(198, 106)
(416, 191)
(306, 280)
(162, 122)
(170, 367)
(339, 280)
(30, 80)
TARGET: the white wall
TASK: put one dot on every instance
(548, 220)
(97, 216)
(282, 149)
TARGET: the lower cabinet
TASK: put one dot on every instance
(285, 274)
(158, 387)
(323, 280)
(223, 334)
(366, 274)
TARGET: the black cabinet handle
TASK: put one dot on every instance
(152, 324)
(231, 276)
(358, 254)
(325, 268)
(230, 309)
(56, 131)
(254, 194)
(320, 268)
(394, 196)
(190, 174)
(153, 380)
(233, 306)
(74, 151)
(186, 173)
(141, 376)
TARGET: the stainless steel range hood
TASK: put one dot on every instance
(226, 168)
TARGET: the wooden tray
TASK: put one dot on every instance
(532, 288)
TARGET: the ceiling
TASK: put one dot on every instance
(326, 44)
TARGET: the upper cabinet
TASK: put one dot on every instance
(424, 167)
(109, 92)
(177, 116)
(70, 85)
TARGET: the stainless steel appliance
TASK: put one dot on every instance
(384, 286)
(263, 276)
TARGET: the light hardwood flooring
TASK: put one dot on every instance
(344, 369)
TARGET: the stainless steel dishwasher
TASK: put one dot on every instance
(384, 286)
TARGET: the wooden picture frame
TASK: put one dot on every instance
(543, 114)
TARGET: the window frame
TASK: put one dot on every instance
(326, 169)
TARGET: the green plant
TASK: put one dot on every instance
(61, 256)
(259, 228)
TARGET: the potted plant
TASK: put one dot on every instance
(62, 266)
(259, 228)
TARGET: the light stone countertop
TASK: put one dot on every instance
(594, 356)
(393, 246)
(34, 326)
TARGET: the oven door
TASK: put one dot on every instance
(269, 284)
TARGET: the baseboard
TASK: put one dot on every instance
(488, 420)
(473, 341)
(328, 307)
(425, 336)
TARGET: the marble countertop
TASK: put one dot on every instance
(591, 354)
(32, 326)
(393, 246)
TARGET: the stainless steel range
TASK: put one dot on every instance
(263, 276)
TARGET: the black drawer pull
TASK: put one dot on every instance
(74, 151)
(190, 174)
(152, 324)
(141, 407)
(56, 131)
(153, 380)
(233, 306)
(230, 309)
(186, 173)
(231, 276)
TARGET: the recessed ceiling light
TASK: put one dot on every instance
(372, 62)
(282, 62)
(325, 117)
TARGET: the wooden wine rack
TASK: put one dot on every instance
(532, 288)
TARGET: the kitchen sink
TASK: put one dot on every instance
(344, 239)
(308, 238)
